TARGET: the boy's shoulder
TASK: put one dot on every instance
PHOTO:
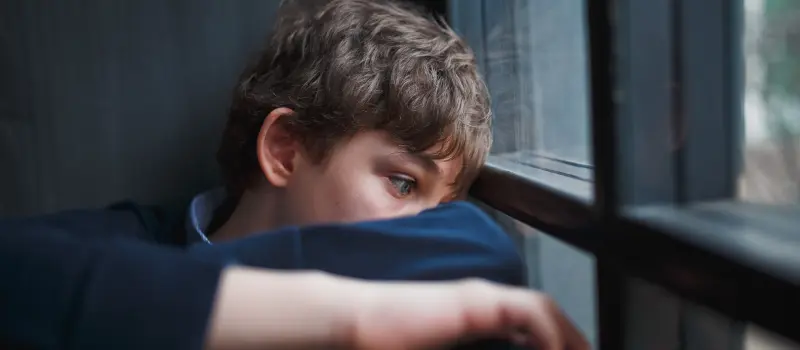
(124, 219)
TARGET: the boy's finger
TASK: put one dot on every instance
(536, 315)
(526, 317)
(547, 325)
(573, 338)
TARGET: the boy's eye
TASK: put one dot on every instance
(404, 185)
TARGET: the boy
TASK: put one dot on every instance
(357, 110)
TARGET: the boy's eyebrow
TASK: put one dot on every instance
(423, 160)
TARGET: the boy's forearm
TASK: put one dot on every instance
(256, 309)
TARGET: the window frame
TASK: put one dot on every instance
(662, 207)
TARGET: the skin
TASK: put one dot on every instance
(262, 309)
(367, 177)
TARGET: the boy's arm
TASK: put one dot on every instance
(60, 291)
(452, 241)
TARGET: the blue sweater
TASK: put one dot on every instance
(94, 279)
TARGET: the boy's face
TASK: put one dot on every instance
(366, 177)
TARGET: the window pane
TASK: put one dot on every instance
(534, 57)
(771, 149)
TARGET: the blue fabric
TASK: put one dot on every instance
(455, 240)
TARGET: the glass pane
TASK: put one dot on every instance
(771, 149)
(533, 55)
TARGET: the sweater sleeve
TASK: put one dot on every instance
(61, 292)
(452, 241)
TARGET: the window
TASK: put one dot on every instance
(664, 171)
(533, 56)
(771, 102)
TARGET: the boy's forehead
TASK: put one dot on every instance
(435, 158)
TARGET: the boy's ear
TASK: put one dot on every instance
(276, 148)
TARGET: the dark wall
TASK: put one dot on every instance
(102, 100)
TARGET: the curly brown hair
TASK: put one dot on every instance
(346, 66)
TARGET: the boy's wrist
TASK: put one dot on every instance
(257, 308)
(343, 299)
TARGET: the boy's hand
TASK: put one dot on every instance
(434, 315)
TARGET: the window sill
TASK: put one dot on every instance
(539, 196)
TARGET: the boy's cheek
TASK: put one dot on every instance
(367, 203)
